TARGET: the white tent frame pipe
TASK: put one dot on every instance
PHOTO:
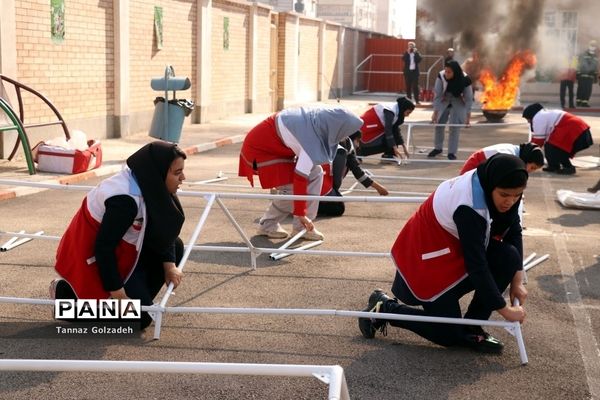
(212, 197)
(514, 328)
(332, 375)
(351, 189)
(430, 124)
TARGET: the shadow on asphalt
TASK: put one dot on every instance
(587, 279)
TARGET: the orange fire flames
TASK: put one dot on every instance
(501, 94)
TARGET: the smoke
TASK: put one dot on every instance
(494, 30)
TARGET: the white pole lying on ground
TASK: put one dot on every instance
(287, 244)
(536, 262)
(332, 375)
(528, 259)
(303, 247)
(10, 241)
(21, 241)
(350, 189)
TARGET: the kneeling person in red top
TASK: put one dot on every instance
(124, 240)
(465, 237)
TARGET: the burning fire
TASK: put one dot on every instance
(500, 94)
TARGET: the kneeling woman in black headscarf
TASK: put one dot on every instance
(465, 237)
(123, 242)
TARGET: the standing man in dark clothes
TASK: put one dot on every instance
(411, 59)
(587, 75)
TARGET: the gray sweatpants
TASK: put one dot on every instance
(279, 209)
(454, 131)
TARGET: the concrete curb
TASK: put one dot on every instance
(111, 169)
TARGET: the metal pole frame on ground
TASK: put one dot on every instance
(513, 327)
(332, 375)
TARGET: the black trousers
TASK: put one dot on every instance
(503, 261)
(379, 146)
(557, 157)
(411, 81)
(584, 89)
(338, 169)
(566, 85)
(144, 284)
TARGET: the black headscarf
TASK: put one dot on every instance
(150, 166)
(504, 171)
(459, 81)
(530, 111)
(531, 153)
(403, 105)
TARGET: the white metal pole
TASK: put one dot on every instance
(238, 228)
(303, 247)
(519, 336)
(413, 178)
(331, 372)
(208, 181)
(536, 262)
(21, 241)
(291, 241)
(186, 254)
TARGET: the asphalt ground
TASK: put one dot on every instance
(561, 332)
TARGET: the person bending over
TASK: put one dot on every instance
(286, 151)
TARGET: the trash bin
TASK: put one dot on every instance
(169, 114)
(178, 109)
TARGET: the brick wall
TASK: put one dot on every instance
(308, 60)
(263, 62)
(147, 61)
(229, 88)
(77, 74)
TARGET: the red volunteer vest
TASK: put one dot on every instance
(75, 257)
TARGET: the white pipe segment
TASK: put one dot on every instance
(225, 195)
(333, 375)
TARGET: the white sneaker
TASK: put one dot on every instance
(310, 235)
(277, 233)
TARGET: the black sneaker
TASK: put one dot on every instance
(368, 326)
(434, 153)
(566, 171)
(481, 341)
(451, 156)
(550, 169)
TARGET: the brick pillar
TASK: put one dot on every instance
(340, 58)
(203, 57)
(252, 59)
(122, 68)
(320, 62)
